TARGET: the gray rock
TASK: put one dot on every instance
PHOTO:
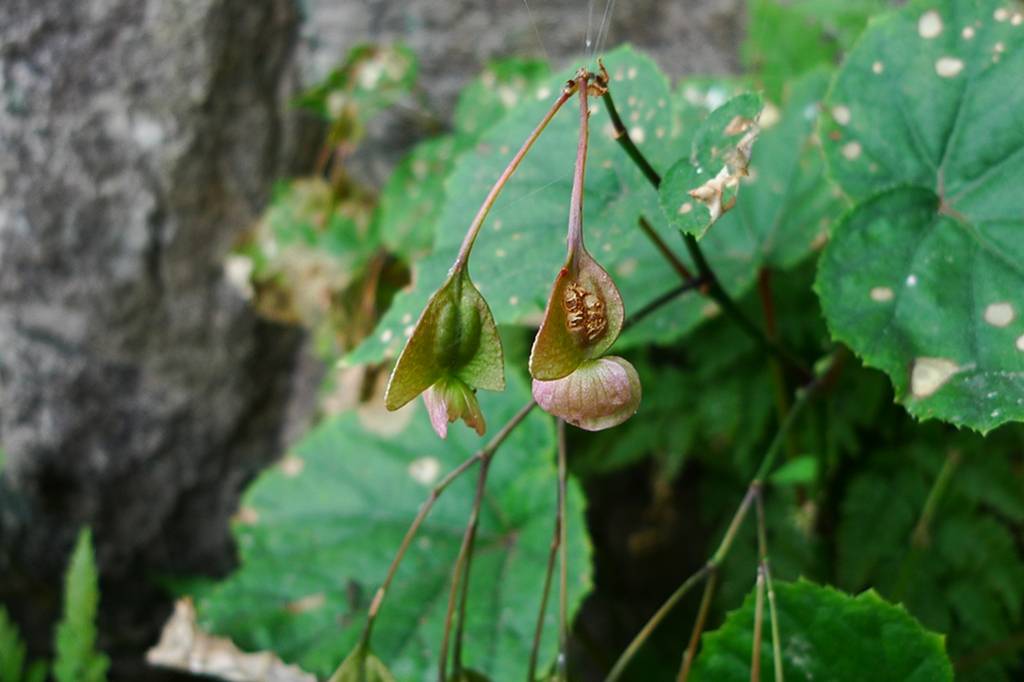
(138, 391)
(454, 39)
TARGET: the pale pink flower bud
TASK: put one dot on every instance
(597, 395)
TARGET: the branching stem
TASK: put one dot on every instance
(563, 559)
(484, 453)
(762, 550)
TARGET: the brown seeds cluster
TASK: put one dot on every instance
(584, 312)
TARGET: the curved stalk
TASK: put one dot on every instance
(492, 196)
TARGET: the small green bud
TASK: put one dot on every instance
(362, 666)
(583, 318)
(598, 395)
(454, 348)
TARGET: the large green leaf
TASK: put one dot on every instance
(926, 280)
(318, 533)
(826, 635)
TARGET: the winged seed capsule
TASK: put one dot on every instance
(454, 349)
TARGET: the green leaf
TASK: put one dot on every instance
(699, 190)
(786, 40)
(324, 528)
(785, 208)
(76, 659)
(924, 280)
(826, 635)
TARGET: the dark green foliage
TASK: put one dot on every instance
(964, 574)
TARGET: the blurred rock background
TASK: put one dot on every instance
(139, 392)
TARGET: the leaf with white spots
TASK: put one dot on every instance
(826, 635)
(320, 531)
(699, 190)
(926, 130)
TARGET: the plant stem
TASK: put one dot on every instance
(575, 236)
(771, 330)
(669, 295)
(563, 559)
(698, 626)
(484, 453)
(549, 573)
(921, 537)
(621, 135)
(713, 287)
(492, 196)
(662, 247)
(755, 655)
(461, 571)
(655, 621)
(762, 549)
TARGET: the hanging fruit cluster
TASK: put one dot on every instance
(455, 348)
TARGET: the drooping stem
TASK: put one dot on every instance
(545, 593)
(575, 235)
(492, 196)
(460, 574)
(921, 537)
(698, 626)
(755, 655)
(666, 252)
(464, 597)
(771, 330)
(655, 621)
(563, 558)
(713, 287)
(484, 453)
(762, 550)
